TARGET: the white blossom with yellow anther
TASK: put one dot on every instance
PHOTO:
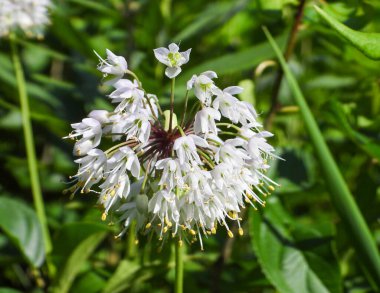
(182, 182)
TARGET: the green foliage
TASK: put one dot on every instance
(295, 257)
(297, 243)
(339, 191)
(20, 223)
(367, 43)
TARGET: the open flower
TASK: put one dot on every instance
(172, 58)
(182, 182)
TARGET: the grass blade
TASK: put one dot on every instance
(339, 192)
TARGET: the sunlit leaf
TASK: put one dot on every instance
(367, 43)
(20, 223)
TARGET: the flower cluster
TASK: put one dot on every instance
(174, 179)
(28, 15)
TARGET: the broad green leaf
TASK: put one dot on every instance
(76, 260)
(367, 43)
(293, 265)
(340, 194)
(20, 223)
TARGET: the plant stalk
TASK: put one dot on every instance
(171, 105)
(29, 144)
(178, 267)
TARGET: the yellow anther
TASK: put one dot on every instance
(192, 232)
(183, 227)
(165, 229)
(136, 241)
(159, 225)
(271, 188)
(147, 226)
(180, 243)
(208, 232)
(213, 230)
(230, 234)
(241, 232)
(104, 216)
(113, 191)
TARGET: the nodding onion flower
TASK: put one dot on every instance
(184, 181)
(28, 15)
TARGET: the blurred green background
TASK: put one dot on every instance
(296, 244)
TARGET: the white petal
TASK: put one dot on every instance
(233, 90)
(172, 72)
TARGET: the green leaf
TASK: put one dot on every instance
(76, 260)
(340, 194)
(121, 279)
(90, 282)
(302, 263)
(20, 223)
(70, 235)
(367, 43)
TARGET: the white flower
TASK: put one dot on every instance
(182, 182)
(114, 65)
(138, 126)
(128, 94)
(91, 168)
(186, 149)
(91, 131)
(226, 103)
(203, 85)
(172, 172)
(31, 16)
(172, 58)
(205, 120)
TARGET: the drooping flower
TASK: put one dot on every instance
(182, 182)
(172, 58)
(30, 16)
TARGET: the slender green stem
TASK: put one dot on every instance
(29, 145)
(339, 191)
(178, 267)
(171, 104)
(181, 130)
(185, 108)
(228, 125)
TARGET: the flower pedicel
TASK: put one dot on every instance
(181, 181)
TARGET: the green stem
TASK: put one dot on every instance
(185, 108)
(178, 267)
(228, 125)
(171, 104)
(29, 145)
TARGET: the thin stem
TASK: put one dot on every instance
(275, 105)
(228, 125)
(185, 109)
(171, 104)
(29, 145)
(178, 267)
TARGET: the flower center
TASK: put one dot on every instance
(174, 58)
